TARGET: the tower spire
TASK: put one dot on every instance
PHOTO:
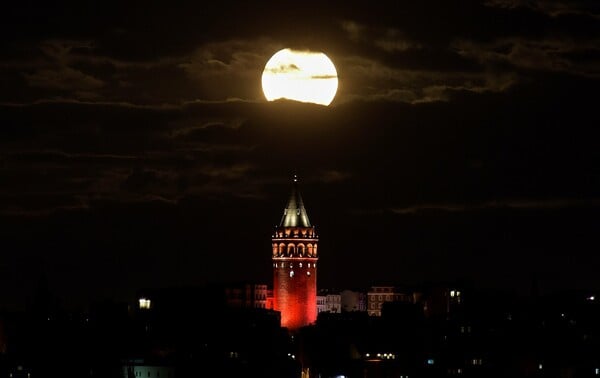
(294, 214)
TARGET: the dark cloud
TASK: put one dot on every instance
(230, 142)
(552, 8)
(380, 52)
(503, 204)
(63, 79)
(539, 55)
(283, 68)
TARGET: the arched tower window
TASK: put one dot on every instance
(309, 248)
(274, 249)
(291, 249)
(301, 249)
(281, 248)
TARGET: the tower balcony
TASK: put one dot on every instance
(295, 232)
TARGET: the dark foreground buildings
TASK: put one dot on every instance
(225, 331)
(487, 334)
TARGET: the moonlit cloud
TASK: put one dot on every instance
(333, 175)
(229, 69)
(556, 203)
(390, 40)
(355, 31)
(553, 8)
(547, 54)
(64, 78)
(414, 86)
(283, 69)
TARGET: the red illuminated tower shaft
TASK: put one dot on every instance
(295, 265)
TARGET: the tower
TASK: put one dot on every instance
(295, 265)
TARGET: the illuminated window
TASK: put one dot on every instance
(144, 303)
(308, 273)
(300, 265)
(291, 273)
(309, 265)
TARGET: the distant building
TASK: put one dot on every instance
(440, 301)
(378, 295)
(329, 301)
(246, 295)
(333, 303)
(353, 301)
(139, 368)
(321, 303)
(295, 265)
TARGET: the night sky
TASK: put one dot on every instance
(137, 148)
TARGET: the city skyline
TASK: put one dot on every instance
(138, 150)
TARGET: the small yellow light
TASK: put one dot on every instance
(145, 303)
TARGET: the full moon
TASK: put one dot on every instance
(303, 76)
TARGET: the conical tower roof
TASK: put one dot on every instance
(294, 214)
